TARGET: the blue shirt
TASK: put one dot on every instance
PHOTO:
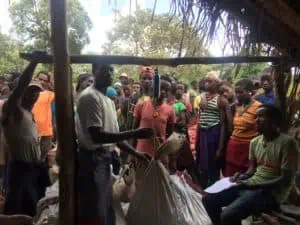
(268, 98)
(53, 111)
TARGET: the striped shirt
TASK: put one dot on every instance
(210, 115)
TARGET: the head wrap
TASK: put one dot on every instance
(111, 92)
(214, 75)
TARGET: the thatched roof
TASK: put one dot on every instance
(275, 22)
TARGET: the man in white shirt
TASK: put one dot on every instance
(98, 132)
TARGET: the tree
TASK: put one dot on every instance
(137, 35)
(31, 22)
(9, 55)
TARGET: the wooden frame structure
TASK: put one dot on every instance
(63, 96)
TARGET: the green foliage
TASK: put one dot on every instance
(31, 22)
(9, 55)
(137, 35)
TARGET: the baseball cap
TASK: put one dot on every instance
(37, 84)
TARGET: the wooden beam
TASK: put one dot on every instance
(132, 60)
(64, 114)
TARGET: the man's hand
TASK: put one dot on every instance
(235, 177)
(239, 177)
(37, 55)
(143, 133)
(219, 154)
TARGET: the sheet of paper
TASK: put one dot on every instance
(220, 185)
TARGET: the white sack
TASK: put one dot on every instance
(162, 200)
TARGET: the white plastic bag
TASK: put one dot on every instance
(189, 202)
(48, 207)
(154, 201)
(162, 199)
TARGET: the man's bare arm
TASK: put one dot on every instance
(237, 177)
(101, 137)
(282, 180)
(126, 147)
(15, 98)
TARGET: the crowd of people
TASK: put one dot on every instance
(232, 132)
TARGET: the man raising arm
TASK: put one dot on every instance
(21, 136)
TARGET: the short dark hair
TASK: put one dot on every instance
(225, 83)
(81, 78)
(245, 84)
(202, 85)
(2, 78)
(102, 69)
(165, 83)
(166, 77)
(126, 86)
(194, 82)
(273, 112)
(265, 77)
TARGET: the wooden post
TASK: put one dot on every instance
(64, 112)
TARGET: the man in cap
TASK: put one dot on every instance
(21, 136)
(124, 79)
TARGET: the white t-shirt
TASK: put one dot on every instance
(95, 110)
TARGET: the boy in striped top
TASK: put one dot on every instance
(214, 111)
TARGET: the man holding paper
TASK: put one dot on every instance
(273, 164)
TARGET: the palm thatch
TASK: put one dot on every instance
(248, 24)
(245, 22)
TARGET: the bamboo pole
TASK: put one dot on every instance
(133, 60)
(64, 112)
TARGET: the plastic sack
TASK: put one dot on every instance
(171, 145)
(189, 202)
(124, 186)
(123, 191)
(48, 207)
(154, 201)
(166, 200)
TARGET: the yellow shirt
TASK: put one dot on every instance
(197, 102)
(244, 125)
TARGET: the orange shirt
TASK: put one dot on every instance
(43, 114)
(244, 125)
